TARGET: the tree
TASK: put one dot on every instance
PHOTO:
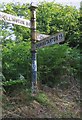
(53, 18)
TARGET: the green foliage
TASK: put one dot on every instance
(53, 18)
(13, 82)
(42, 98)
(59, 60)
(53, 61)
(16, 60)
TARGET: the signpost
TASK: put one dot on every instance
(14, 20)
(44, 40)
(57, 38)
(33, 49)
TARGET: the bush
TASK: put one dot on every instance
(53, 63)
(59, 60)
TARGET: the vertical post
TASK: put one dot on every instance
(33, 49)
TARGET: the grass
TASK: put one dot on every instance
(13, 82)
(57, 109)
(42, 98)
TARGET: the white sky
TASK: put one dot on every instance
(64, 2)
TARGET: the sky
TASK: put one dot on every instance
(64, 2)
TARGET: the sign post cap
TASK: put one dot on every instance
(33, 5)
